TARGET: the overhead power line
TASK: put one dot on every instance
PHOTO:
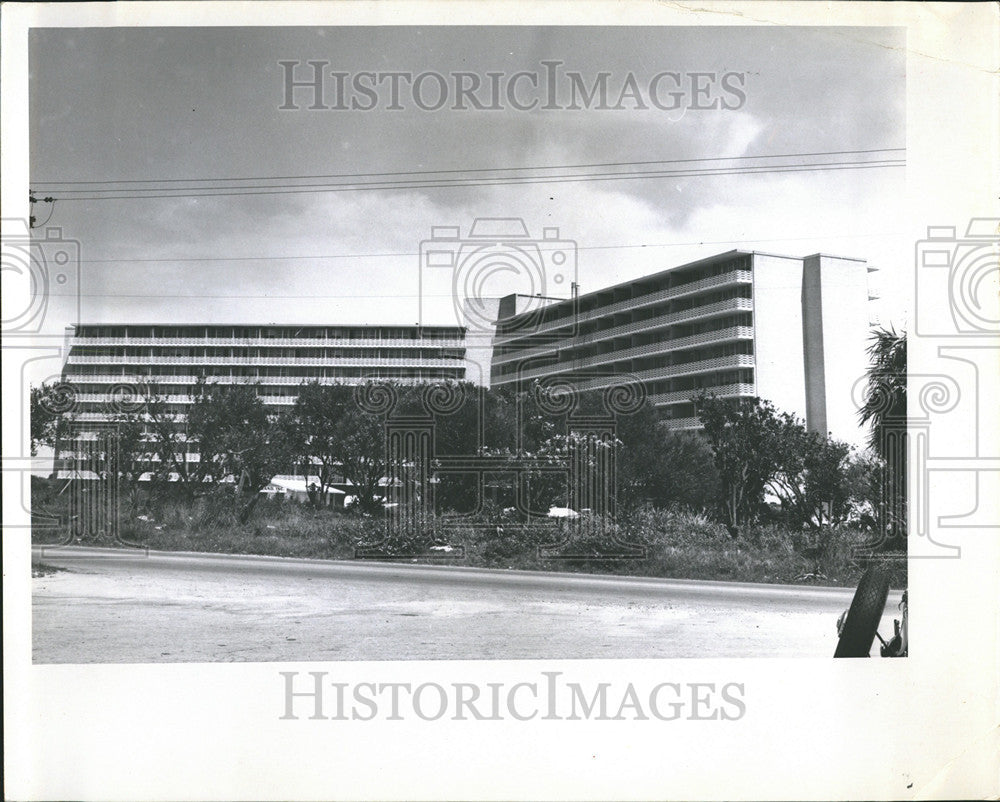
(195, 188)
(310, 190)
(410, 254)
(477, 169)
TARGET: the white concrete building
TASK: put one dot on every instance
(105, 361)
(792, 330)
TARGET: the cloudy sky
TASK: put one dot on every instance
(182, 110)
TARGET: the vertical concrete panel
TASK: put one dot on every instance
(778, 344)
(479, 336)
(846, 317)
(813, 344)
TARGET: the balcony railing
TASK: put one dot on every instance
(155, 381)
(651, 324)
(273, 342)
(270, 400)
(104, 398)
(629, 304)
(667, 343)
(727, 362)
(724, 391)
(320, 362)
(568, 365)
(683, 424)
(96, 398)
(720, 307)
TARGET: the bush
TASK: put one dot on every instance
(503, 546)
(678, 543)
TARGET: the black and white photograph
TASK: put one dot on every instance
(501, 394)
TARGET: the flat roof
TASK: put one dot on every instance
(810, 256)
(647, 277)
(697, 263)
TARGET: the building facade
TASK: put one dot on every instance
(105, 362)
(792, 330)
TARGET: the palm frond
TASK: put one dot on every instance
(885, 395)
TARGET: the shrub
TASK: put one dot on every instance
(678, 543)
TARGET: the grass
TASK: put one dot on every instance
(675, 544)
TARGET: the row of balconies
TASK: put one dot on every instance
(98, 398)
(415, 362)
(567, 364)
(720, 307)
(686, 369)
(661, 372)
(153, 459)
(101, 398)
(279, 381)
(85, 436)
(699, 312)
(275, 342)
(270, 400)
(667, 344)
(662, 398)
(629, 304)
(683, 424)
(725, 390)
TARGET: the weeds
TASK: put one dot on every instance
(677, 544)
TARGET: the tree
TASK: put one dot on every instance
(826, 499)
(168, 449)
(745, 435)
(50, 411)
(462, 415)
(360, 438)
(238, 440)
(173, 437)
(885, 411)
(885, 399)
(665, 468)
(810, 481)
(315, 430)
(863, 480)
(119, 454)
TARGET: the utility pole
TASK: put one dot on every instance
(33, 200)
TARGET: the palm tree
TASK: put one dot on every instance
(885, 399)
(885, 411)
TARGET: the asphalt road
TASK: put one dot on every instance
(116, 606)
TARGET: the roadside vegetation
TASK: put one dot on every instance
(676, 543)
(40, 569)
(753, 497)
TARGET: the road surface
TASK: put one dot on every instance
(120, 606)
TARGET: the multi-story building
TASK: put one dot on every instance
(105, 360)
(788, 329)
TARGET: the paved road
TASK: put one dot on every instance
(116, 606)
